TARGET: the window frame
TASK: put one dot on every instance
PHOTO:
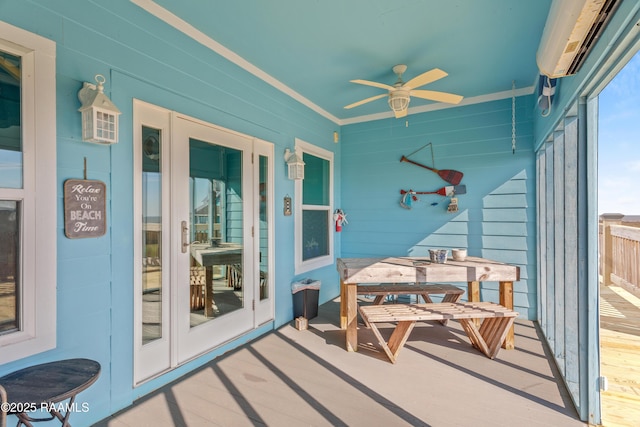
(322, 261)
(38, 234)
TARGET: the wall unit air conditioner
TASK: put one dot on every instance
(572, 29)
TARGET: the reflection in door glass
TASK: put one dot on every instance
(10, 121)
(151, 236)
(264, 228)
(216, 226)
(9, 266)
(11, 168)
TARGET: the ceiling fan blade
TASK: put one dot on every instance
(431, 95)
(374, 84)
(401, 114)
(424, 78)
(364, 101)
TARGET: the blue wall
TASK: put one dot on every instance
(496, 217)
(144, 58)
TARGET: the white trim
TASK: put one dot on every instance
(39, 195)
(264, 309)
(154, 357)
(300, 265)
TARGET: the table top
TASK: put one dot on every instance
(50, 382)
(226, 253)
(421, 269)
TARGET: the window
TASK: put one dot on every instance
(313, 202)
(27, 194)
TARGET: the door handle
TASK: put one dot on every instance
(185, 236)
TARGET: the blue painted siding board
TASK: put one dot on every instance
(74, 272)
(511, 257)
(48, 24)
(444, 241)
(559, 235)
(504, 242)
(506, 215)
(549, 249)
(93, 327)
(514, 186)
(505, 229)
(542, 238)
(572, 264)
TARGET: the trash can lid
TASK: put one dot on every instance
(305, 284)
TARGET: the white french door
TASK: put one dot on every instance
(204, 237)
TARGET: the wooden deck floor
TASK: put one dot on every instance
(290, 378)
(620, 356)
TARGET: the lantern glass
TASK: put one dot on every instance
(296, 170)
(105, 126)
(99, 126)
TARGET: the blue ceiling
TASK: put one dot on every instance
(316, 47)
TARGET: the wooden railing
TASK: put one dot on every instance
(619, 252)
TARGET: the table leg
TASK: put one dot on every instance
(351, 301)
(473, 295)
(343, 305)
(506, 300)
(473, 292)
(208, 292)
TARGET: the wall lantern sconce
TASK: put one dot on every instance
(99, 114)
(295, 164)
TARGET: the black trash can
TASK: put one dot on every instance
(305, 298)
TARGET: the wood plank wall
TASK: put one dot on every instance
(496, 217)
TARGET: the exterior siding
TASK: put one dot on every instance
(496, 218)
(145, 59)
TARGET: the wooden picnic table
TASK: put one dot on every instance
(208, 256)
(473, 270)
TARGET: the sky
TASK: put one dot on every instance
(619, 142)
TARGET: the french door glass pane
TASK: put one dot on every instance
(216, 227)
(264, 227)
(151, 236)
(9, 261)
(10, 129)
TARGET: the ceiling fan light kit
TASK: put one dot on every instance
(399, 100)
(399, 95)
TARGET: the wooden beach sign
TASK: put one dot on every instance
(85, 212)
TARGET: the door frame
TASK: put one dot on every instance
(145, 368)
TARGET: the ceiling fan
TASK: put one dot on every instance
(400, 93)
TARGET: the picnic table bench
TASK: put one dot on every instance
(381, 291)
(496, 321)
